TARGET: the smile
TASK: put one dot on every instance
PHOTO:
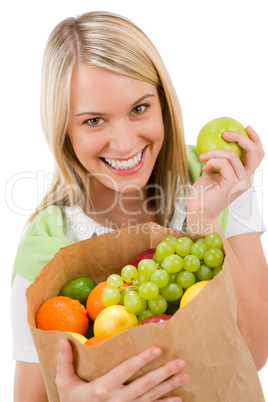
(124, 164)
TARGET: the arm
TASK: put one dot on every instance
(29, 384)
(250, 257)
(250, 277)
(212, 193)
(252, 296)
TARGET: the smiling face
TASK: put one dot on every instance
(115, 127)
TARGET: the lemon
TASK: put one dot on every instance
(113, 320)
(78, 288)
(79, 337)
(191, 292)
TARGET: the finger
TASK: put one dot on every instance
(231, 156)
(150, 381)
(254, 152)
(165, 387)
(65, 368)
(171, 399)
(223, 165)
(249, 146)
(253, 136)
(229, 185)
(120, 374)
(258, 151)
(235, 136)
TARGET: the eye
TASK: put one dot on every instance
(139, 109)
(96, 121)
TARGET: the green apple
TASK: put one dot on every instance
(210, 136)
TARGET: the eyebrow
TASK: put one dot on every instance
(103, 114)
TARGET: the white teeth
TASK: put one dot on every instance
(130, 163)
(126, 164)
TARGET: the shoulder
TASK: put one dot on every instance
(42, 239)
(48, 222)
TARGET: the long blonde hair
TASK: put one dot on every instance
(113, 42)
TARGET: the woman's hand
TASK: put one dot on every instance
(213, 191)
(209, 196)
(110, 387)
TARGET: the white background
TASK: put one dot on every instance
(215, 51)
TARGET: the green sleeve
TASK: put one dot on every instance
(194, 163)
(195, 171)
(43, 238)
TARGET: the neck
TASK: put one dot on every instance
(115, 209)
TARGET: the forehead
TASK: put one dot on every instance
(96, 86)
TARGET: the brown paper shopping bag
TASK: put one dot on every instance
(204, 332)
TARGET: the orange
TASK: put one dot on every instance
(95, 341)
(94, 305)
(191, 292)
(62, 313)
(113, 320)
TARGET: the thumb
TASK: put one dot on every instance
(65, 368)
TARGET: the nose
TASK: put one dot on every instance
(123, 137)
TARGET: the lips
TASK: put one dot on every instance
(125, 166)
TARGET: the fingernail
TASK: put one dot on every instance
(184, 377)
(180, 364)
(62, 346)
(157, 352)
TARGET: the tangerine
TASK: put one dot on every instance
(61, 313)
(94, 305)
(95, 341)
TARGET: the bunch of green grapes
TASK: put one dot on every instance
(158, 284)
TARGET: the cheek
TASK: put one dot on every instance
(86, 146)
(155, 131)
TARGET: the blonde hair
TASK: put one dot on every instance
(113, 42)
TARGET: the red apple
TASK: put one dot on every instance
(156, 318)
(147, 254)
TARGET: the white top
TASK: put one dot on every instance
(244, 217)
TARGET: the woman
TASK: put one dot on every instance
(113, 121)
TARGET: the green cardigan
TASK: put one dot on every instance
(45, 236)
